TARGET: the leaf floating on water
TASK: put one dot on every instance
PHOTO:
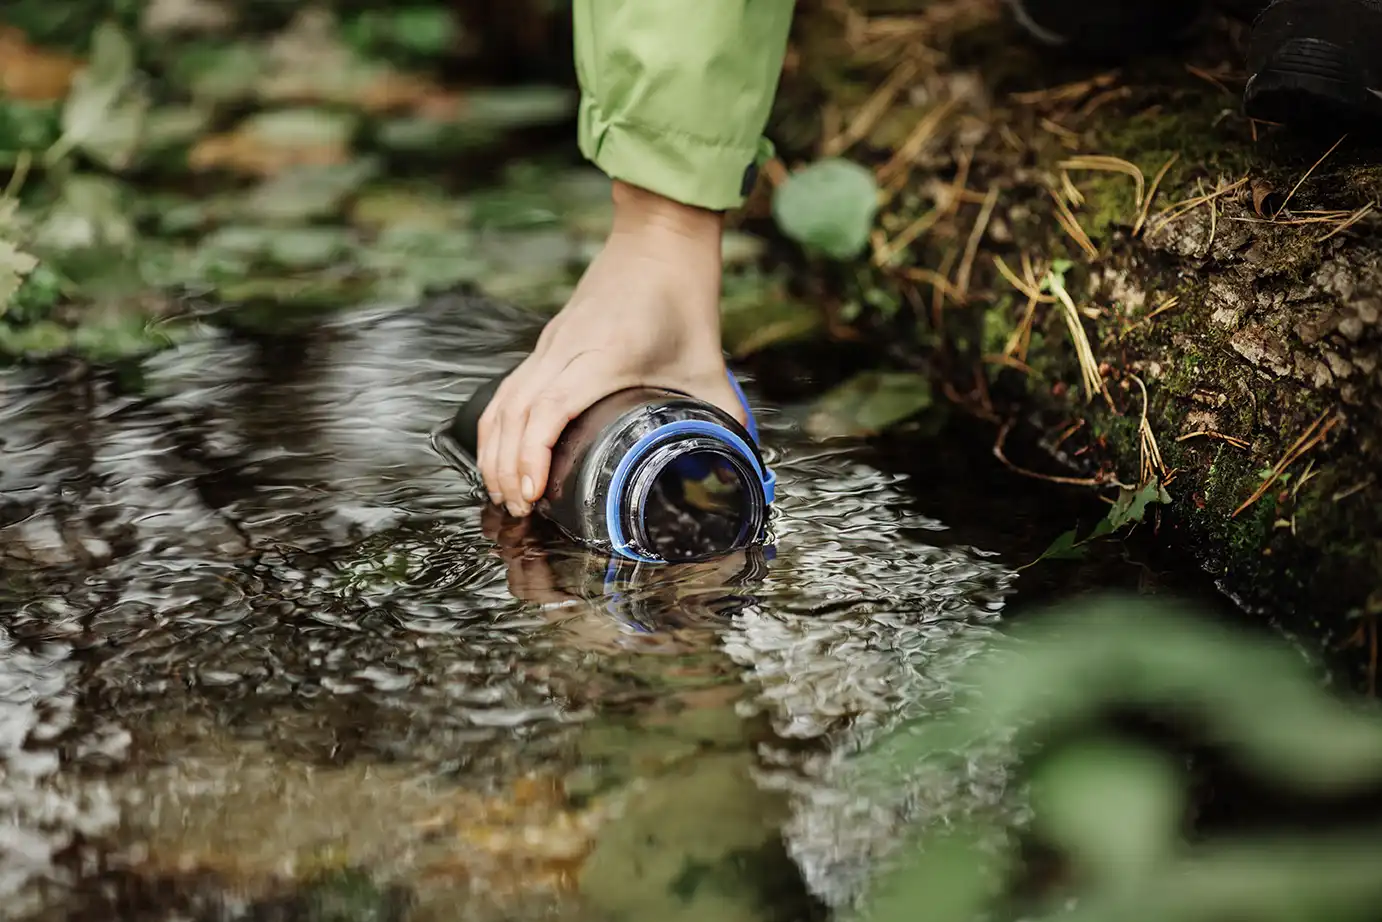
(869, 403)
(829, 206)
(1131, 505)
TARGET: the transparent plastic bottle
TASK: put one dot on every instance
(647, 474)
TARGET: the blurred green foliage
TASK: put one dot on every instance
(1115, 808)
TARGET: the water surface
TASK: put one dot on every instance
(262, 655)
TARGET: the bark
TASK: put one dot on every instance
(1250, 321)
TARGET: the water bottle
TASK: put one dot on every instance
(646, 474)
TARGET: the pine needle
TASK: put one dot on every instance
(1066, 218)
(1028, 288)
(1314, 434)
(1150, 463)
(1314, 166)
(1181, 209)
(1219, 436)
(1151, 194)
(895, 170)
(872, 110)
(1089, 366)
(1102, 163)
(1353, 219)
(889, 250)
(976, 237)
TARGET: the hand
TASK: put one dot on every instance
(646, 312)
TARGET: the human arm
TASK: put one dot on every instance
(675, 95)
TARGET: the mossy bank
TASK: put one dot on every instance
(1228, 268)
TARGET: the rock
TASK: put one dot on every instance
(1313, 372)
(1341, 367)
(1369, 310)
(1351, 328)
(1228, 301)
(1199, 421)
(1317, 323)
(1262, 348)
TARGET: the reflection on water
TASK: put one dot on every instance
(259, 655)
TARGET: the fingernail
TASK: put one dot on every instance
(517, 509)
(495, 499)
(529, 493)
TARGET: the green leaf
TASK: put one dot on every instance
(1115, 809)
(1056, 274)
(869, 403)
(949, 879)
(1067, 546)
(307, 193)
(14, 265)
(104, 113)
(36, 340)
(1131, 505)
(829, 206)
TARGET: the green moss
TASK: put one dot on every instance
(1187, 123)
(1110, 203)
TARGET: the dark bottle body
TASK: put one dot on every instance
(629, 475)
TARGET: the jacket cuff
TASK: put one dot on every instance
(684, 168)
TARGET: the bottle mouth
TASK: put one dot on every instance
(690, 499)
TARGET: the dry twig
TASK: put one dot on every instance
(1002, 457)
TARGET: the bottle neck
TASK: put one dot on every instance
(689, 533)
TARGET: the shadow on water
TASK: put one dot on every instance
(260, 656)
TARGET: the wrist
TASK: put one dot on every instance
(641, 211)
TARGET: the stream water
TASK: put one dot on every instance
(262, 655)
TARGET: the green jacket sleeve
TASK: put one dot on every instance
(675, 93)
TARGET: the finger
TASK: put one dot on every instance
(513, 423)
(489, 453)
(572, 393)
(490, 433)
